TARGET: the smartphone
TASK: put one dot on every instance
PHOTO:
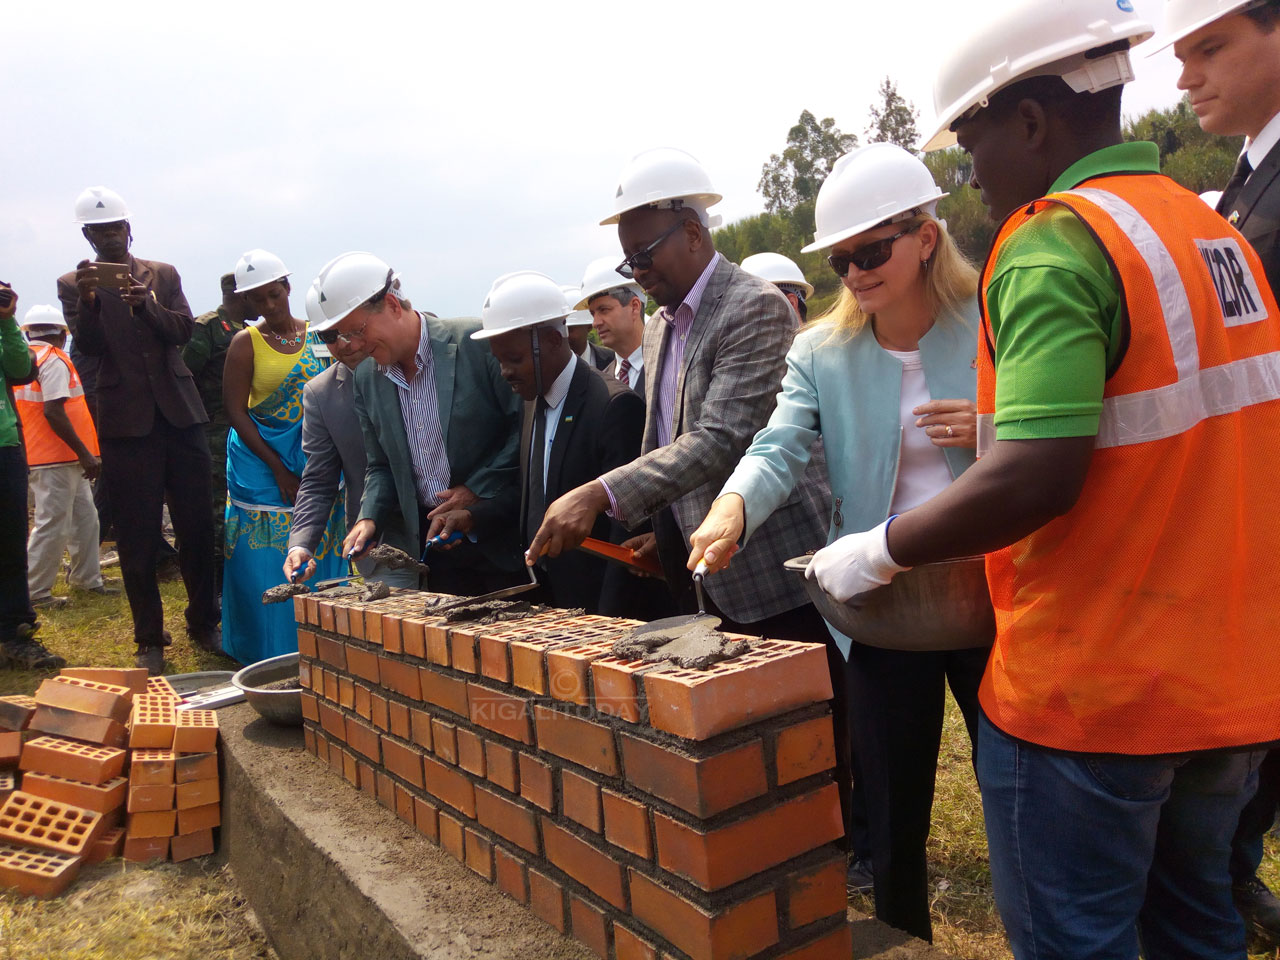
(114, 275)
(6, 295)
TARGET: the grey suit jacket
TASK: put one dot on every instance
(1255, 212)
(480, 416)
(734, 360)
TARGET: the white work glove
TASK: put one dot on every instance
(855, 563)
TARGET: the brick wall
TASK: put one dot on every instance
(647, 811)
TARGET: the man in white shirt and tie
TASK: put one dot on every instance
(617, 313)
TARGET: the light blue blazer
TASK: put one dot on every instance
(848, 391)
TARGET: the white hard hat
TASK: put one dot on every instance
(667, 178)
(1184, 17)
(868, 186)
(579, 317)
(346, 282)
(43, 315)
(257, 268)
(601, 277)
(100, 205)
(776, 268)
(1211, 197)
(525, 298)
(1019, 39)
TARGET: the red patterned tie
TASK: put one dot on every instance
(624, 371)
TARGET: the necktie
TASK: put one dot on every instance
(1232, 190)
(538, 459)
(624, 371)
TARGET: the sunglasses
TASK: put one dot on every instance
(643, 259)
(332, 336)
(869, 255)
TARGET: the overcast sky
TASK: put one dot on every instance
(457, 142)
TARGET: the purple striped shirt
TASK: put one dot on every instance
(420, 410)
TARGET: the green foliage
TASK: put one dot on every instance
(784, 234)
(1199, 161)
(894, 120)
(793, 178)
(967, 219)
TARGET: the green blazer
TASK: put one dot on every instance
(481, 419)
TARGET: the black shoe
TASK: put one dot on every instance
(24, 652)
(858, 878)
(103, 591)
(208, 639)
(152, 658)
(1259, 907)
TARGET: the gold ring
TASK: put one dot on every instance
(950, 432)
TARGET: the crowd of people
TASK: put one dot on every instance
(1090, 410)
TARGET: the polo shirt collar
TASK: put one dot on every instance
(1139, 156)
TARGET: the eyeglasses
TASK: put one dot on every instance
(643, 259)
(332, 336)
(869, 255)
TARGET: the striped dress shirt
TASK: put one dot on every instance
(420, 409)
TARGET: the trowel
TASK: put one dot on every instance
(673, 627)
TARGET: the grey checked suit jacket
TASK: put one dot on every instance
(734, 360)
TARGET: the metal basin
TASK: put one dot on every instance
(278, 706)
(935, 606)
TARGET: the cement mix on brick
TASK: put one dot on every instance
(331, 874)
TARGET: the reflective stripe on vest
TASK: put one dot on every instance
(1145, 619)
(44, 447)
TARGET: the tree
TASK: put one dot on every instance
(967, 218)
(1199, 161)
(793, 178)
(894, 121)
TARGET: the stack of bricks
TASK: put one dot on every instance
(174, 802)
(646, 810)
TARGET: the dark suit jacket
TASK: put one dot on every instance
(600, 427)
(1256, 213)
(481, 420)
(601, 357)
(141, 368)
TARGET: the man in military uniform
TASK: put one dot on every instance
(204, 355)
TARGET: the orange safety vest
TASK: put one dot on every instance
(45, 447)
(1147, 619)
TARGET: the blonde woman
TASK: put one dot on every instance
(887, 380)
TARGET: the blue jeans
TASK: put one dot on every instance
(1092, 854)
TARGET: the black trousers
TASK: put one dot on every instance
(1255, 820)
(15, 600)
(139, 473)
(896, 704)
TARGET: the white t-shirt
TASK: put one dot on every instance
(55, 379)
(922, 467)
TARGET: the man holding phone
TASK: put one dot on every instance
(132, 315)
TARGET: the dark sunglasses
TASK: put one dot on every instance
(869, 255)
(643, 259)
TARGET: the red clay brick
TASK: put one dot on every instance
(146, 849)
(368, 778)
(389, 626)
(332, 652)
(401, 677)
(98, 798)
(327, 618)
(500, 763)
(363, 738)
(133, 678)
(590, 926)
(333, 721)
(412, 639)
(404, 805)
(313, 611)
(630, 946)
(804, 749)
(74, 725)
(450, 786)
(10, 748)
(195, 766)
(331, 686)
(346, 693)
(309, 739)
(197, 732)
(152, 723)
(701, 786)
(470, 752)
(420, 728)
(528, 666)
(110, 843)
(379, 711)
(451, 835)
(535, 782)
(462, 650)
(816, 892)
(16, 711)
(8, 784)
(836, 945)
(507, 819)
(190, 845)
(590, 867)
(386, 790)
(580, 800)
(546, 899)
(405, 762)
(741, 930)
(304, 673)
(495, 658)
(717, 858)
(199, 818)
(355, 622)
(364, 701)
(398, 719)
(501, 712)
(773, 678)
(363, 663)
(626, 824)
(151, 766)
(75, 761)
(426, 817)
(436, 636)
(317, 680)
(341, 619)
(372, 626)
(479, 854)
(585, 743)
(310, 709)
(444, 692)
(336, 754)
(307, 645)
(198, 793)
(86, 696)
(445, 737)
(510, 876)
(567, 669)
(322, 747)
(155, 796)
(153, 823)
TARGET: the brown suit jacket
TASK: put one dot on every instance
(141, 368)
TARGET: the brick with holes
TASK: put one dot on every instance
(153, 722)
(151, 765)
(75, 761)
(16, 711)
(36, 873)
(197, 732)
(102, 798)
(33, 821)
(86, 696)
